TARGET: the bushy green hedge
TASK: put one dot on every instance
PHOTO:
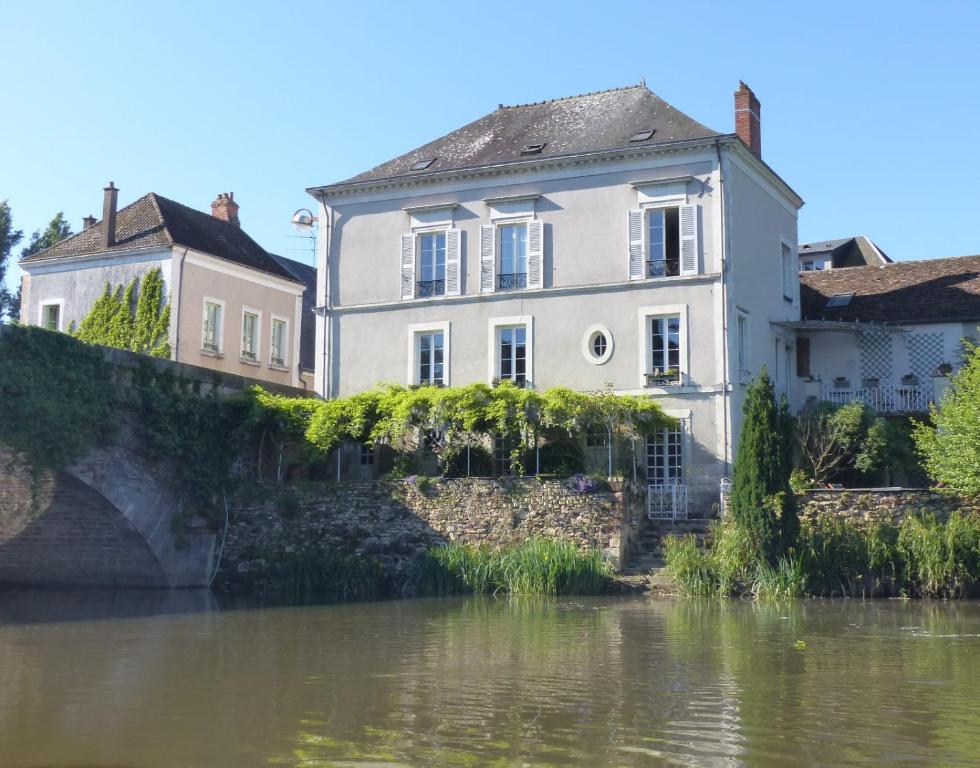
(536, 567)
(922, 557)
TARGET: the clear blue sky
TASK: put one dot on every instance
(869, 110)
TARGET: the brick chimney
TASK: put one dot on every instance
(748, 124)
(225, 208)
(88, 222)
(109, 216)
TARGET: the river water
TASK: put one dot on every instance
(175, 679)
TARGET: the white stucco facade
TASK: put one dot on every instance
(733, 212)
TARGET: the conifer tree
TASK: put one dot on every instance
(760, 478)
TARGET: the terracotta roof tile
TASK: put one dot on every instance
(154, 221)
(932, 290)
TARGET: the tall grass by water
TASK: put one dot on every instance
(923, 557)
(538, 566)
(323, 575)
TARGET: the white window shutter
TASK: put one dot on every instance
(535, 254)
(452, 262)
(634, 220)
(408, 266)
(488, 258)
(689, 239)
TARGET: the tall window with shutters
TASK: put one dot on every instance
(430, 264)
(511, 256)
(663, 242)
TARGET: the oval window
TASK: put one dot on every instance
(597, 344)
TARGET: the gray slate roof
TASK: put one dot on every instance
(154, 221)
(573, 125)
(847, 251)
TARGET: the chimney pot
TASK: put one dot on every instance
(109, 202)
(748, 121)
(88, 222)
(225, 208)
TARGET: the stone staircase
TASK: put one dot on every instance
(647, 558)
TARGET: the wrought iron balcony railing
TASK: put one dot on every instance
(426, 288)
(511, 281)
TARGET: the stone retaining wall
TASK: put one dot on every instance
(891, 505)
(394, 521)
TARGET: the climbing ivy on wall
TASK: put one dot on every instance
(57, 397)
(456, 417)
(120, 319)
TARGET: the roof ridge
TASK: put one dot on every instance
(163, 219)
(574, 96)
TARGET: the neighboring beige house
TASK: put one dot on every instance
(887, 336)
(234, 307)
(601, 239)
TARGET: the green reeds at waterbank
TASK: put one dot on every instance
(329, 576)
(923, 557)
(535, 567)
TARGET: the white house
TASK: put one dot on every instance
(601, 239)
(887, 335)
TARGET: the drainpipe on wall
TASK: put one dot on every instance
(327, 242)
(726, 401)
(180, 297)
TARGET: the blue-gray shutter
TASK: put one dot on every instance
(408, 266)
(535, 254)
(488, 258)
(634, 220)
(452, 262)
(689, 239)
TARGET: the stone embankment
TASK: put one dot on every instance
(394, 521)
(886, 505)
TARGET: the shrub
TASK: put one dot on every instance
(951, 448)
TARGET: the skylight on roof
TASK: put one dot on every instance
(533, 149)
(641, 136)
(839, 300)
(421, 165)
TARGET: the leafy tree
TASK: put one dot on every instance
(835, 440)
(951, 448)
(761, 497)
(120, 319)
(56, 231)
(9, 237)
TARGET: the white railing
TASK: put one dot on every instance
(667, 501)
(886, 398)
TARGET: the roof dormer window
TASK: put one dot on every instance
(641, 136)
(839, 300)
(533, 149)
(421, 165)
